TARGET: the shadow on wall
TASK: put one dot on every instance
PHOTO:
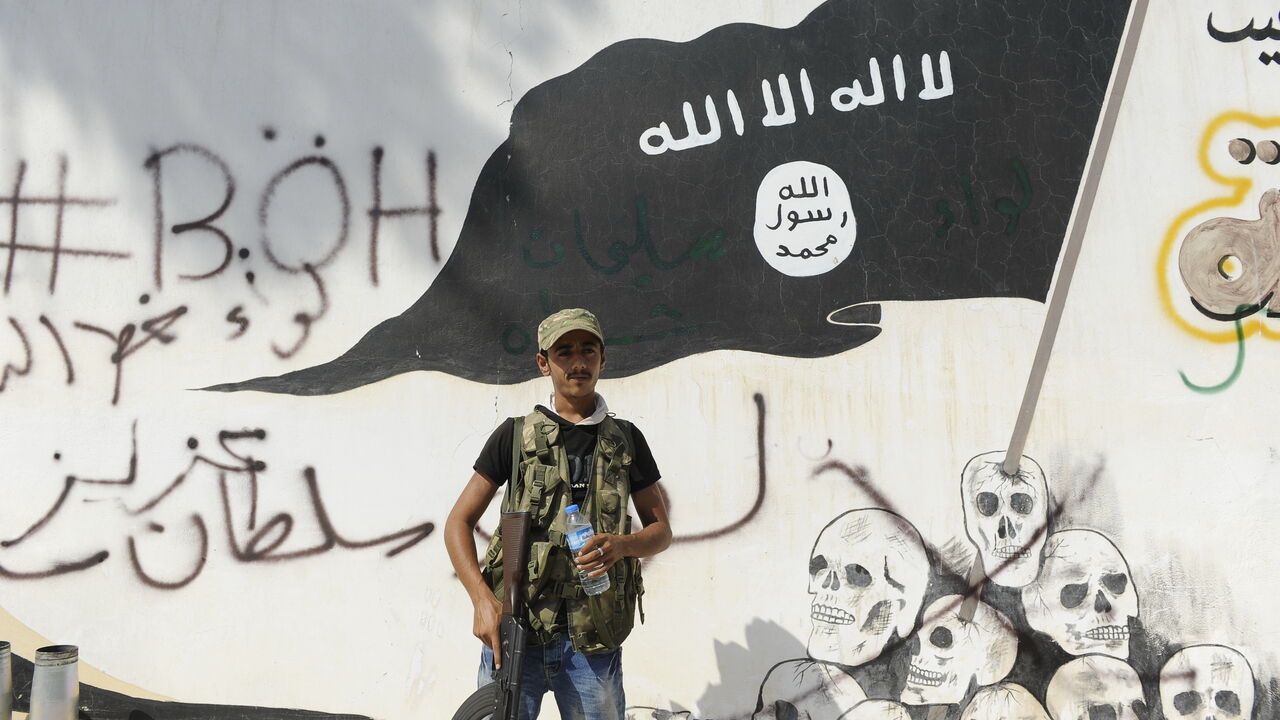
(740, 667)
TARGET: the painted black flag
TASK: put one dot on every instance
(761, 188)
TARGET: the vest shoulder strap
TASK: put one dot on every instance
(628, 436)
(539, 436)
(514, 481)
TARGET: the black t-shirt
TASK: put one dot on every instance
(579, 443)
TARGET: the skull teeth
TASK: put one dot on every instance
(831, 615)
(920, 676)
(1108, 632)
(1011, 552)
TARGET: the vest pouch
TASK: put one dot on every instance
(541, 483)
(632, 584)
(538, 569)
(592, 628)
(491, 566)
(546, 579)
(610, 506)
(599, 623)
(612, 613)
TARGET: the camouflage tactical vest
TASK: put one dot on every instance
(540, 484)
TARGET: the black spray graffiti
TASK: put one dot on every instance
(1248, 32)
(60, 201)
(224, 241)
(154, 328)
(206, 228)
(249, 539)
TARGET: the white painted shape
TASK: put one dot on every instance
(804, 222)
(772, 116)
(937, 86)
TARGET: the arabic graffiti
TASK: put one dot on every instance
(1011, 208)
(1248, 32)
(515, 340)
(249, 540)
(133, 335)
(154, 328)
(204, 227)
(935, 86)
(1235, 371)
(821, 195)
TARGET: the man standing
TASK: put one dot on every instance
(571, 451)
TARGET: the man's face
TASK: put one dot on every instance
(573, 364)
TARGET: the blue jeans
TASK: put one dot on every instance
(587, 687)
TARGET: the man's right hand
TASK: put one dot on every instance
(459, 539)
(487, 625)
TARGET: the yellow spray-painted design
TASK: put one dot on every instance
(1240, 187)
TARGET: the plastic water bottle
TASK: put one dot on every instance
(578, 532)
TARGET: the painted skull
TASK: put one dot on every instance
(877, 710)
(806, 690)
(1005, 516)
(1207, 682)
(1004, 701)
(948, 653)
(1084, 598)
(1095, 687)
(867, 575)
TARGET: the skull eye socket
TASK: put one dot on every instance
(1102, 712)
(1074, 594)
(1115, 582)
(857, 575)
(784, 710)
(1021, 503)
(941, 638)
(817, 564)
(988, 503)
(1186, 702)
(1227, 701)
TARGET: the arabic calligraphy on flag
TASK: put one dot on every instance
(762, 188)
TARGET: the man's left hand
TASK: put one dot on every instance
(600, 553)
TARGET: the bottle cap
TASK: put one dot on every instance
(571, 509)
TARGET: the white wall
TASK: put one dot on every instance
(1186, 481)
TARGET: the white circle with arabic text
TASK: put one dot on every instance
(804, 220)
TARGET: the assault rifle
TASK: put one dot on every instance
(501, 698)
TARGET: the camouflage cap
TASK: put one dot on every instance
(567, 320)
